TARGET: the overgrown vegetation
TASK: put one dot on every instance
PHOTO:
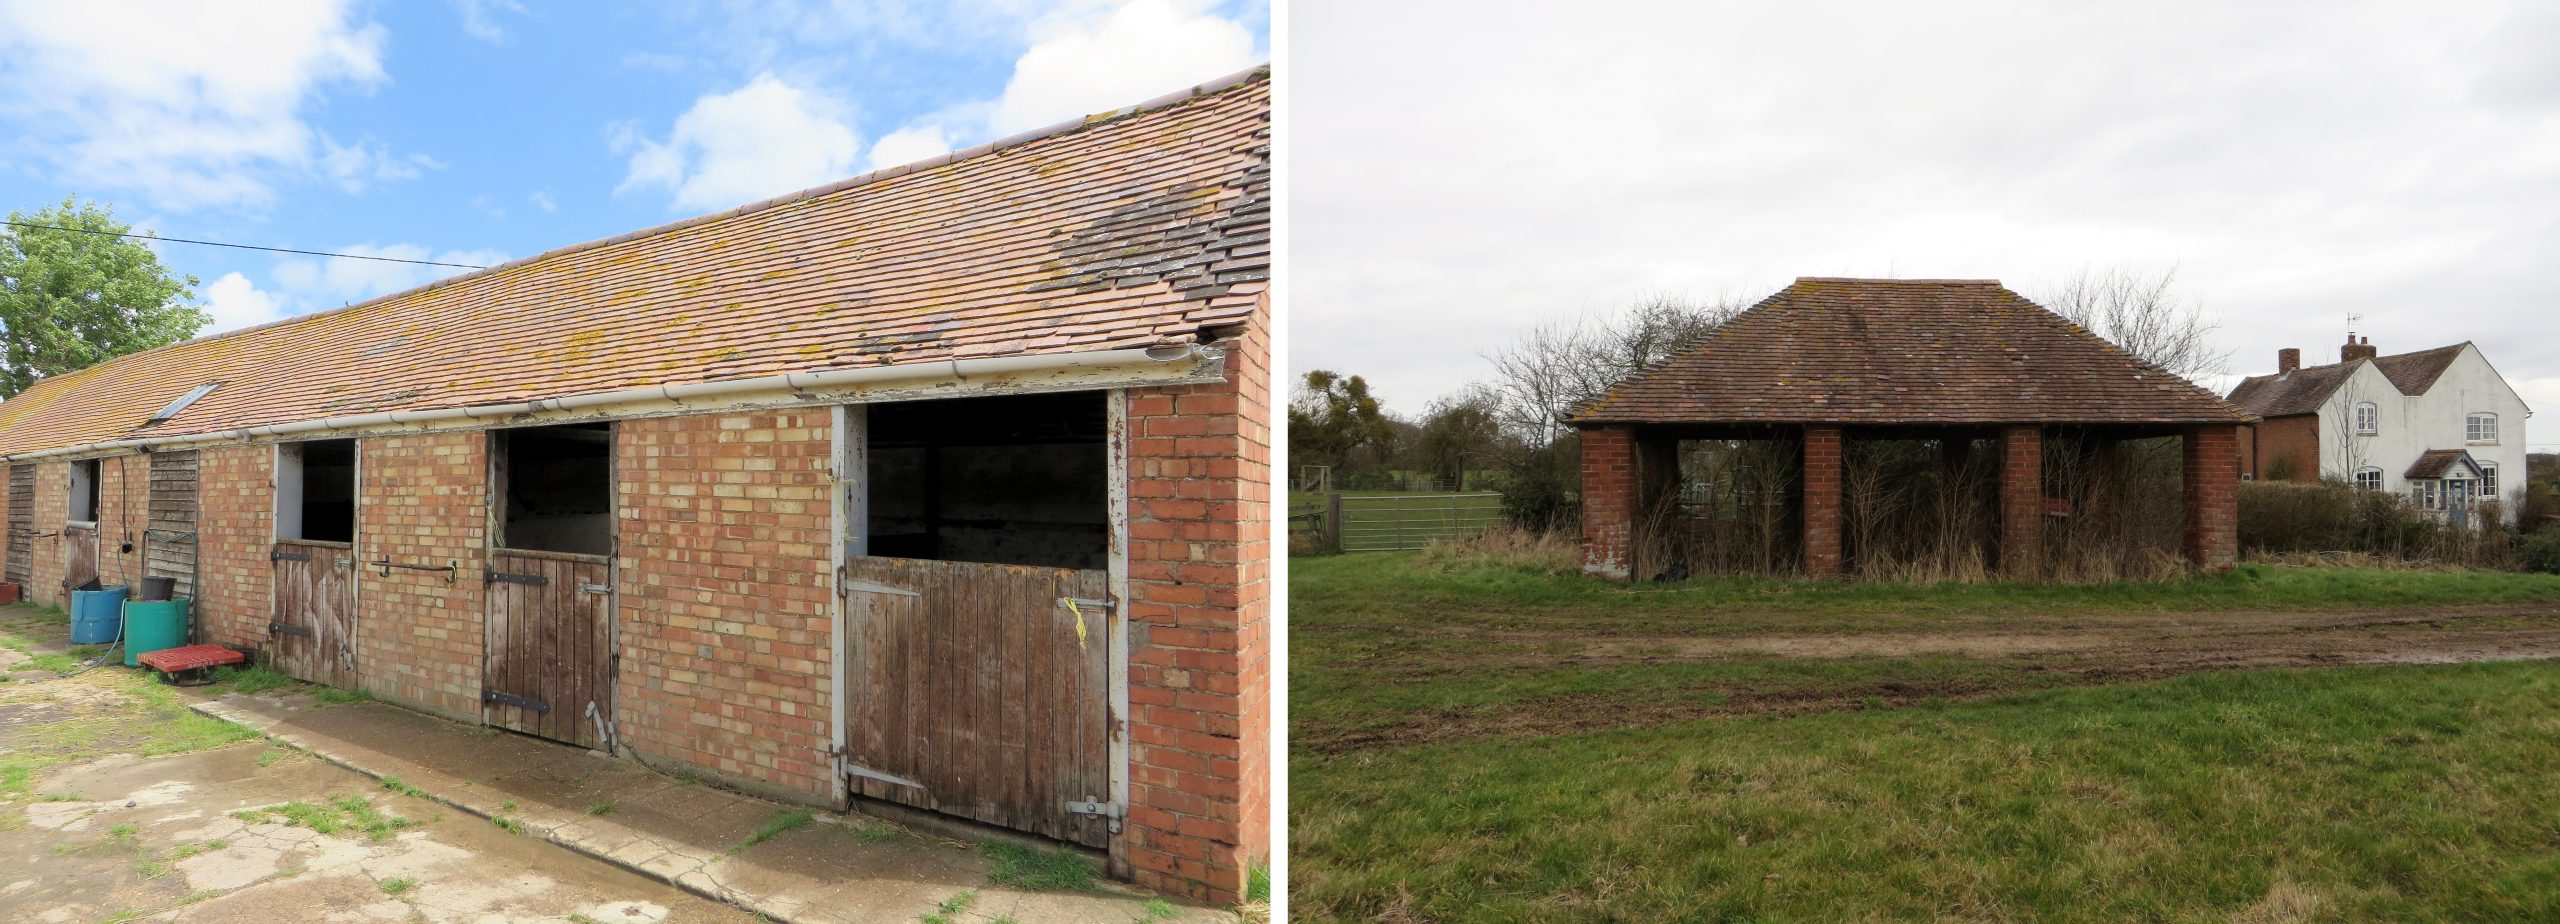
(772, 829)
(345, 814)
(2281, 518)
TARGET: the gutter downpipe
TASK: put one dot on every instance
(797, 383)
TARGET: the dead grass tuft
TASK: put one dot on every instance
(1505, 549)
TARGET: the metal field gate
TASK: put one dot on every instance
(550, 645)
(21, 565)
(312, 635)
(169, 544)
(1396, 522)
(982, 691)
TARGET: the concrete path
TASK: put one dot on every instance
(827, 869)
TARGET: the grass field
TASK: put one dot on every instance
(1489, 744)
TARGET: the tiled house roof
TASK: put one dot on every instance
(2302, 391)
(1134, 228)
(1887, 351)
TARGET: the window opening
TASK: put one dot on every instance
(556, 488)
(316, 491)
(1020, 480)
(84, 491)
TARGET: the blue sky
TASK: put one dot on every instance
(477, 131)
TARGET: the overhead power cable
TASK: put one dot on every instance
(181, 240)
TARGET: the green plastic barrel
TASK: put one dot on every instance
(150, 627)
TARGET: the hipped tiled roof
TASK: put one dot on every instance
(1893, 351)
(1128, 229)
(2304, 390)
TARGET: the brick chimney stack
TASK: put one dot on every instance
(2288, 359)
(2356, 349)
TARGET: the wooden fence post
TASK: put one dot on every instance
(1333, 522)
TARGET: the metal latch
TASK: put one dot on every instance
(277, 628)
(870, 774)
(1110, 810)
(288, 556)
(493, 696)
(595, 588)
(502, 577)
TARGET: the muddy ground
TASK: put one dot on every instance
(1965, 658)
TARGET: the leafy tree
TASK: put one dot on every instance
(1332, 417)
(1459, 429)
(70, 300)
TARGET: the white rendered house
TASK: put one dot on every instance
(2439, 426)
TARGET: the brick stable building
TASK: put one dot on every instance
(942, 489)
(1827, 362)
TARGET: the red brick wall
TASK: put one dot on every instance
(2021, 502)
(726, 603)
(1821, 501)
(1608, 501)
(53, 508)
(1199, 644)
(2293, 441)
(235, 529)
(2212, 480)
(424, 500)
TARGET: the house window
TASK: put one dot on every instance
(84, 491)
(2369, 479)
(2424, 494)
(1017, 480)
(2368, 419)
(2481, 428)
(556, 486)
(316, 491)
(2488, 481)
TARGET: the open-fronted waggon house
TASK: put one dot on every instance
(942, 488)
(1826, 363)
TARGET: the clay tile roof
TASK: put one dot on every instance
(1133, 228)
(2285, 394)
(2434, 463)
(1884, 351)
(2302, 391)
(2414, 373)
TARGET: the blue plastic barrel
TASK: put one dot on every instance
(95, 614)
(152, 625)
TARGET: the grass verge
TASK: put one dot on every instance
(1020, 866)
(2399, 793)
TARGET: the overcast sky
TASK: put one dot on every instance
(1463, 171)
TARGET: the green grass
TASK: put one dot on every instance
(2402, 793)
(345, 814)
(1257, 882)
(947, 912)
(1158, 909)
(393, 784)
(600, 809)
(258, 679)
(332, 696)
(784, 822)
(397, 884)
(507, 824)
(1020, 866)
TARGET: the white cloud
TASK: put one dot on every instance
(1084, 64)
(479, 18)
(908, 145)
(314, 283)
(235, 302)
(541, 199)
(357, 167)
(191, 104)
(760, 140)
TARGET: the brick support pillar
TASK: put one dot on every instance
(2021, 502)
(1821, 500)
(2211, 474)
(1608, 502)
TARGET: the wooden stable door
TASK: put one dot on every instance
(550, 646)
(977, 690)
(79, 557)
(313, 633)
(21, 565)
